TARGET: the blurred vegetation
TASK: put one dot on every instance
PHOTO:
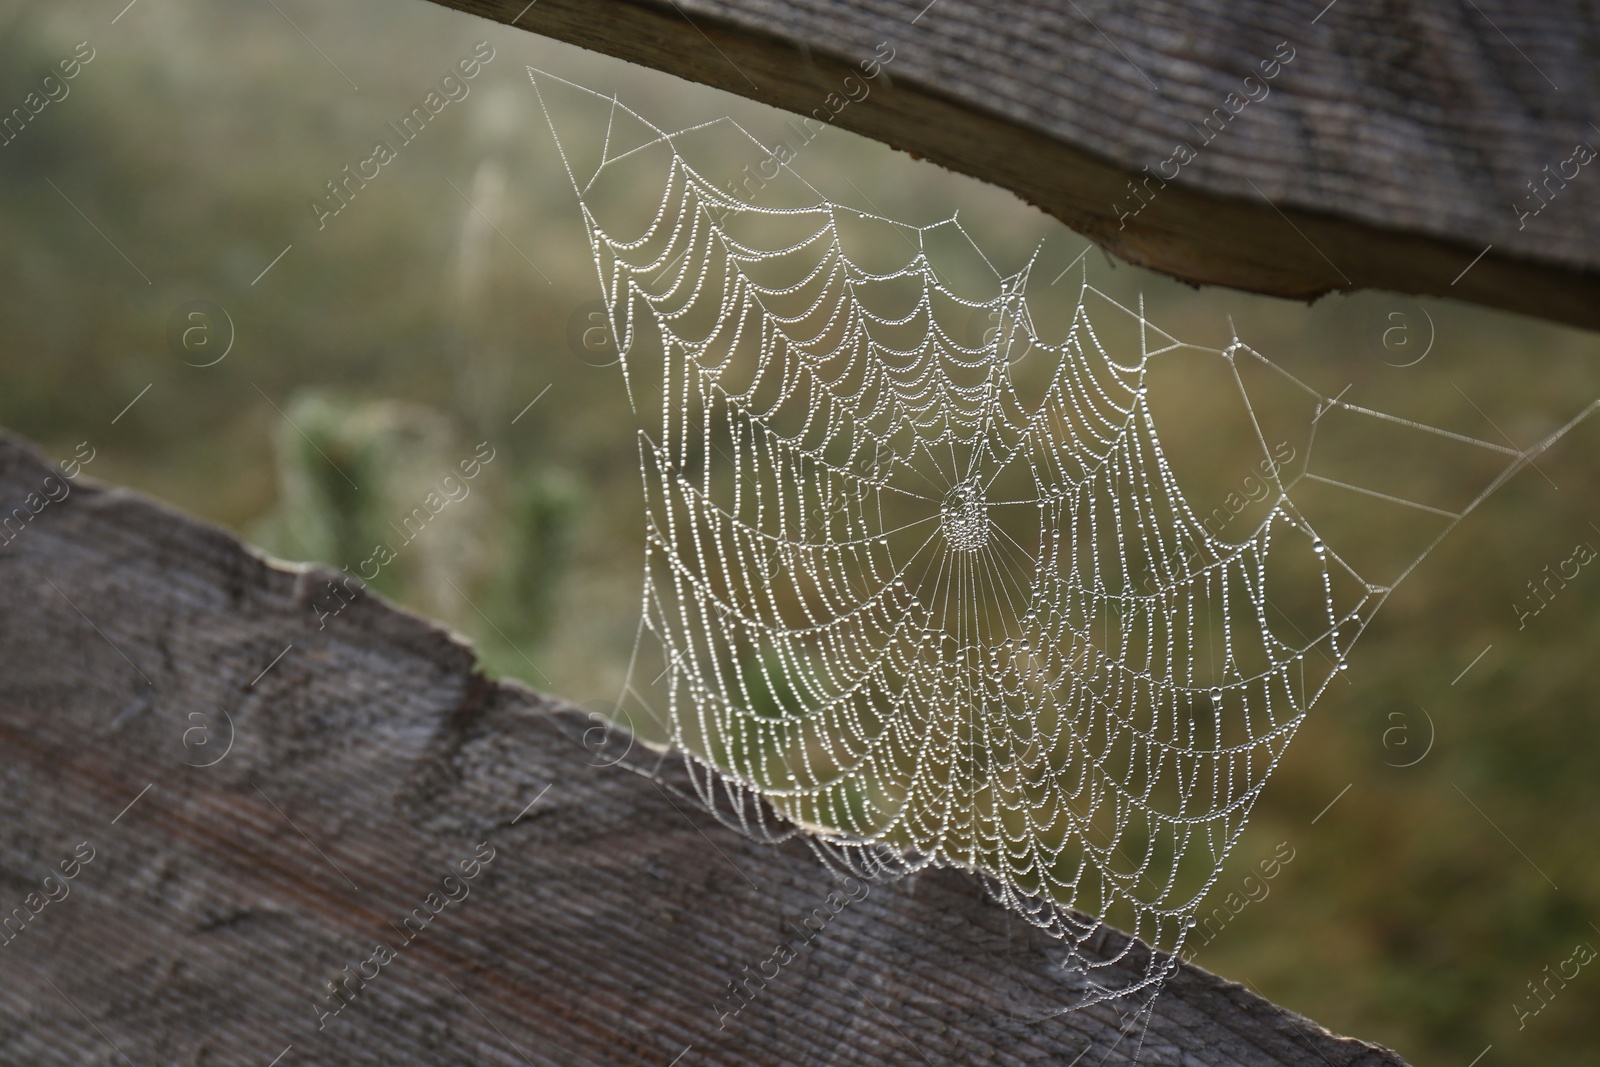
(425, 318)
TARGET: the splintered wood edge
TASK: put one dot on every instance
(1190, 233)
(196, 573)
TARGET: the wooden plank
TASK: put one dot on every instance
(1394, 149)
(265, 796)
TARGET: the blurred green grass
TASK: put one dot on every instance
(1412, 913)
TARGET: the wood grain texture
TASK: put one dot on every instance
(367, 761)
(1389, 153)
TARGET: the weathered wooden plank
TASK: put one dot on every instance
(1393, 145)
(263, 800)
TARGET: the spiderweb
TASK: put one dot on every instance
(926, 615)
